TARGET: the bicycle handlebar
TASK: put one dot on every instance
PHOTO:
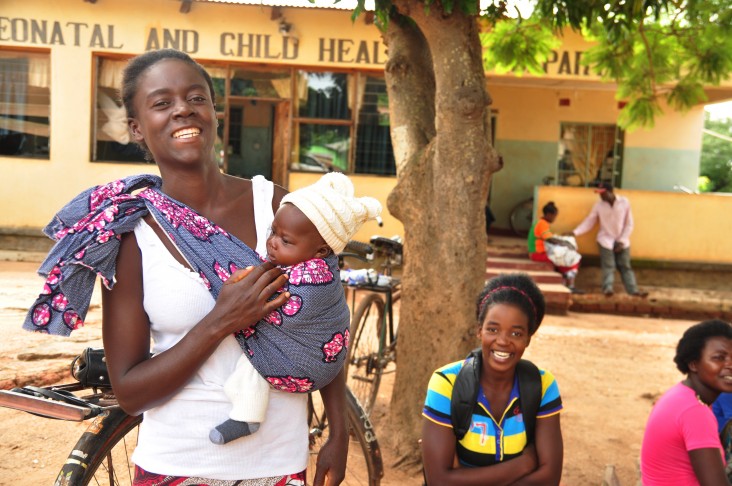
(362, 249)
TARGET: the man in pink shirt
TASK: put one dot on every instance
(616, 223)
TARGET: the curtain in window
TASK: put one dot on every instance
(374, 152)
(13, 95)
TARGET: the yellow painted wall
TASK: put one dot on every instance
(373, 186)
(668, 226)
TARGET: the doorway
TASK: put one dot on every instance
(251, 127)
(257, 131)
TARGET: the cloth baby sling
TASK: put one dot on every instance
(298, 348)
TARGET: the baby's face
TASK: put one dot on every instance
(294, 238)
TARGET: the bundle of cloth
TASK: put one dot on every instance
(563, 255)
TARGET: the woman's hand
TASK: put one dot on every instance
(244, 297)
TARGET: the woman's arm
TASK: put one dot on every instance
(331, 463)
(550, 452)
(708, 467)
(141, 382)
(438, 452)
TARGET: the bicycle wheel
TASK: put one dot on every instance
(364, 464)
(364, 363)
(102, 456)
(522, 216)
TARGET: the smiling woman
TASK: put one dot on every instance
(499, 447)
(170, 251)
(680, 443)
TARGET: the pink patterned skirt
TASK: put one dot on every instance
(144, 478)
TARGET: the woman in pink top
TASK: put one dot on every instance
(680, 444)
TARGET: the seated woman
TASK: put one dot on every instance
(498, 446)
(566, 259)
(680, 443)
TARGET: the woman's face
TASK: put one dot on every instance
(504, 336)
(714, 368)
(550, 217)
(175, 116)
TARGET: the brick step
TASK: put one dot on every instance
(518, 264)
(507, 253)
(558, 298)
(538, 276)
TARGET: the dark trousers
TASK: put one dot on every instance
(609, 261)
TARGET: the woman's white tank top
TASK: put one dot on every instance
(173, 437)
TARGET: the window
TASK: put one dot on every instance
(374, 153)
(25, 125)
(589, 154)
(323, 127)
(259, 84)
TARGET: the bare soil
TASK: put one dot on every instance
(609, 370)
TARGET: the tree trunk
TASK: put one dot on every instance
(440, 128)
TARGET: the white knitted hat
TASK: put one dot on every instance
(330, 205)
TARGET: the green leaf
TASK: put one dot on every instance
(639, 112)
(518, 47)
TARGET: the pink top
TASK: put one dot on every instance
(678, 424)
(616, 222)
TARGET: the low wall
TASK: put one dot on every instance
(668, 226)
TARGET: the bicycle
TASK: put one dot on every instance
(102, 455)
(373, 331)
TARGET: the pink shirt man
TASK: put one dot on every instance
(678, 423)
(616, 222)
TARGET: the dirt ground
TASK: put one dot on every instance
(609, 370)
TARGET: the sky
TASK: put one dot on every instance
(720, 110)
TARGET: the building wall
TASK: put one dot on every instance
(527, 111)
(668, 226)
(528, 122)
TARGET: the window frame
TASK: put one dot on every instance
(18, 50)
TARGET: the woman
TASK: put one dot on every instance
(540, 234)
(182, 298)
(495, 449)
(680, 443)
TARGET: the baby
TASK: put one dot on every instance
(310, 224)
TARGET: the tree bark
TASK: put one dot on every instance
(441, 136)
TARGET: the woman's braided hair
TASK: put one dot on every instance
(515, 289)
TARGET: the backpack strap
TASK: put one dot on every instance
(529, 395)
(467, 385)
(465, 393)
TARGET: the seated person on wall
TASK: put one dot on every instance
(545, 246)
(681, 445)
